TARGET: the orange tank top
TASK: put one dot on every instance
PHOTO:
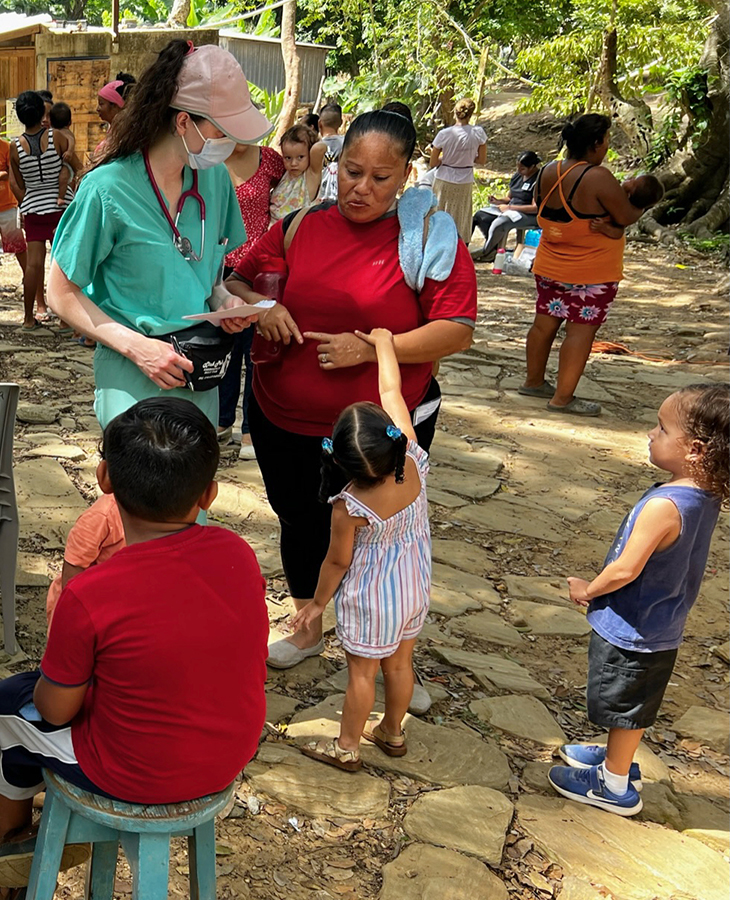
(570, 252)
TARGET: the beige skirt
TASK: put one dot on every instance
(455, 199)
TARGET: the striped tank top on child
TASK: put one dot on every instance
(40, 171)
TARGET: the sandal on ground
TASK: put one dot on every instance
(545, 390)
(225, 434)
(36, 324)
(16, 858)
(577, 407)
(331, 753)
(284, 655)
(390, 744)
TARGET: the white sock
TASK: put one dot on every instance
(617, 784)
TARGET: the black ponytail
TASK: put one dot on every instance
(393, 125)
(529, 158)
(362, 450)
(581, 136)
(125, 89)
(147, 115)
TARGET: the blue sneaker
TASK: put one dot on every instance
(583, 756)
(588, 786)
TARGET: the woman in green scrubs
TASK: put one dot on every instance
(143, 243)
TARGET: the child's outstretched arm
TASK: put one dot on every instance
(336, 563)
(657, 527)
(389, 380)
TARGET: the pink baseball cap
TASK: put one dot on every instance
(212, 84)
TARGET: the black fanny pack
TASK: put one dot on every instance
(209, 349)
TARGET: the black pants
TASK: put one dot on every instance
(290, 467)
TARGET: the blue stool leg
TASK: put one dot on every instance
(49, 849)
(201, 856)
(102, 870)
(149, 859)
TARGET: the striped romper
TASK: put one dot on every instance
(384, 596)
(40, 174)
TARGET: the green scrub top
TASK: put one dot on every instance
(116, 244)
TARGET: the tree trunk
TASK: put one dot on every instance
(632, 116)
(696, 182)
(292, 68)
(179, 13)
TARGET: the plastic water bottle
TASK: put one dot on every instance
(498, 262)
(269, 282)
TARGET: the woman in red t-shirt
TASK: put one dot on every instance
(254, 171)
(344, 275)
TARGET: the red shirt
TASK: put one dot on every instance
(173, 632)
(253, 198)
(345, 276)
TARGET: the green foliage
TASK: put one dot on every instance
(655, 39)
(685, 95)
(719, 245)
(270, 103)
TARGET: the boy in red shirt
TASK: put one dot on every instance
(151, 688)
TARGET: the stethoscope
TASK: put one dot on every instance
(182, 244)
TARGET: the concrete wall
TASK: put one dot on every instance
(133, 51)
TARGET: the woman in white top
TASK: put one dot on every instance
(455, 151)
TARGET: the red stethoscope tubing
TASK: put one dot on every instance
(191, 192)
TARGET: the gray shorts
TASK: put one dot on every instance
(625, 689)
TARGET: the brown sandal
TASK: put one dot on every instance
(390, 744)
(331, 753)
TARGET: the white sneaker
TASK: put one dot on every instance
(247, 451)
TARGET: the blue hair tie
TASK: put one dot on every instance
(393, 432)
(327, 446)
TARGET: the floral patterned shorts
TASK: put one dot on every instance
(586, 304)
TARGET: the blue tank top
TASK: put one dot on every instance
(648, 614)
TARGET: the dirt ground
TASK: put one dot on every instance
(672, 316)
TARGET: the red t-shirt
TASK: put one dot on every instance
(345, 276)
(253, 198)
(173, 632)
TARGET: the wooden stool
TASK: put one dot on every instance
(73, 816)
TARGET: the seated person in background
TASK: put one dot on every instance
(330, 122)
(643, 192)
(518, 210)
(303, 155)
(60, 118)
(151, 687)
(96, 536)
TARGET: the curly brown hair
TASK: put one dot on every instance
(704, 414)
(299, 134)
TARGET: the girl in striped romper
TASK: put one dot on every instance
(378, 566)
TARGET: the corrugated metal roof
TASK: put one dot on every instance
(233, 33)
(15, 25)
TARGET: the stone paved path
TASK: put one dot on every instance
(519, 499)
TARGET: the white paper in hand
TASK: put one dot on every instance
(243, 311)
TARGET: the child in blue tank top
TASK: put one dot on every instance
(638, 605)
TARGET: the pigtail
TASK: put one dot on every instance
(328, 472)
(401, 445)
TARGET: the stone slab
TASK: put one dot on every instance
(502, 513)
(279, 707)
(436, 754)
(521, 716)
(537, 587)
(544, 618)
(58, 451)
(462, 556)
(31, 571)
(240, 503)
(470, 818)
(705, 822)
(479, 463)
(462, 483)
(487, 626)
(493, 671)
(708, 726)
(423, 872)
(316, 789)
(454, 592)
(632, 860)
(444, 498)
(36, 413)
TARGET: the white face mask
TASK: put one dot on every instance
(213, 151)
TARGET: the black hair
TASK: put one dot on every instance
(647, 191)
(161, 454)
(46, 96)
(311, 120)
(124, 89)
(299, 134)
(581, 136)
(362, 450)
(528, 158)
(703, 411)
(400, 109)
(30, 108)
(398, 128)
(331, 115)
(60, 115)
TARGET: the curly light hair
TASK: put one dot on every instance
(704, 413)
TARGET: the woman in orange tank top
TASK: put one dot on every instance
(577, 269)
